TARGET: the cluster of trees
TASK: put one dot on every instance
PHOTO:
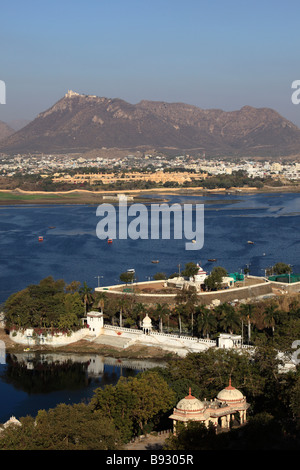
(275, 321)
(279, 268)
(274, 413)
(65, 427)
(238, 179)
(114, 415)
(53, 304)
(49, 304)
(140, 404)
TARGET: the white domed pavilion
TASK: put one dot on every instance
(147, 324)
(220, 411)
(230, 395)
(190, 404)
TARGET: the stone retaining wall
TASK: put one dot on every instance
(288, 288)
(205, 298)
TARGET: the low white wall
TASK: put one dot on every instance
(59, 339)
(169, 342)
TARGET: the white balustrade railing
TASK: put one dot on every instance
(156, 333)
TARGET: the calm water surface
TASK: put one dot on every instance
(72, 251)
(31, 381)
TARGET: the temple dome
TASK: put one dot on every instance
(230, 394)
(190, 403)
(147, 321)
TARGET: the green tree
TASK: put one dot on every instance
(247, 313)
(86, 294)
(270, 315)
(134, 402)
(188, 299)
(281, 268)
(161, 311)
(100, 301)
(206, 321)
(190, 270)
(123, 304)
(214, 280)
(66, 427)
(228, 318)
(38, 305)
(138, 312)
(159, 276)
(127, 277)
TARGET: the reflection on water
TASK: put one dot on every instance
(33, 381)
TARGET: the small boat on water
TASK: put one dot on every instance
(132, 271)
(250, 242)
(109, 240)
(41, 239)
(155, 261)
(51, 226)
(211, 260)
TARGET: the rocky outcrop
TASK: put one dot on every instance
(84, 122)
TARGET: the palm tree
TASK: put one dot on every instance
(229, 319)
(189, 300)
(161, 310)
(138, 311)
(270, 314)
(100, 301)
(123, 308)
(247, 313)
(179, 310)
(206, 321)
(86, 294)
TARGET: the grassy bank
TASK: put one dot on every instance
(18, 196)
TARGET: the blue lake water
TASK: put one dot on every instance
(72, 251)
(29, 385)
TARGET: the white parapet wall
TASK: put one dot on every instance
(29, 338)
(180, 345)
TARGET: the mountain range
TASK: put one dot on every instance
(80, 123)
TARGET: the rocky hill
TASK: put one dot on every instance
(83, 122)
(5, 130)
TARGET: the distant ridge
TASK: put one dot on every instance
(5, 130)
(84, 122)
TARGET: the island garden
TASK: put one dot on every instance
(142, 404)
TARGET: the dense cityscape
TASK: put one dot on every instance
(60, 165)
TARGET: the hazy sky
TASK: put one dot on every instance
(212, 54)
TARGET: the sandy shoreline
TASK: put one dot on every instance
(84, 196)
(89, 347)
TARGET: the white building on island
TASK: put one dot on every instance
(95, 323)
